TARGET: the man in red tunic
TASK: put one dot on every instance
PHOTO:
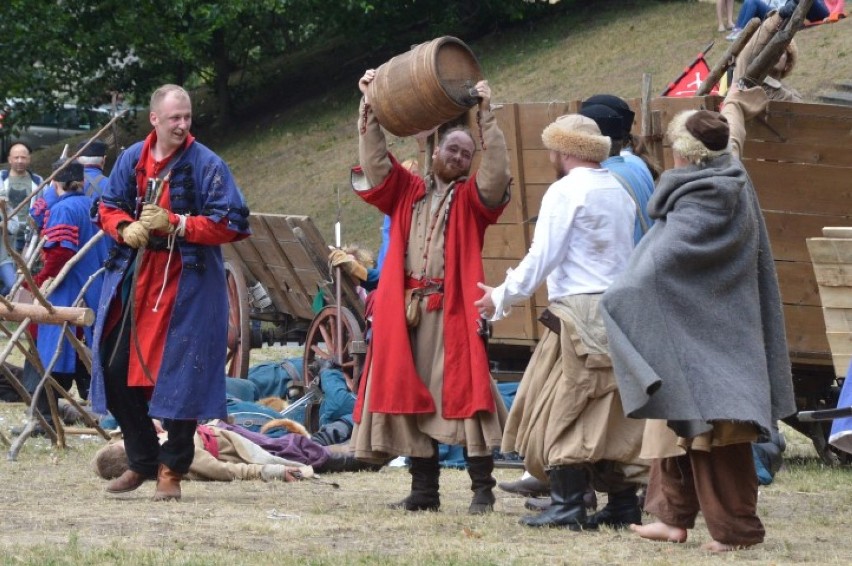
(427, 379)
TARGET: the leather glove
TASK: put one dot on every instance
(156, 218)
(134, 235)
(339, 258)
(752, 101)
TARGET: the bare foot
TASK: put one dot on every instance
(660, 531)
(716, 546)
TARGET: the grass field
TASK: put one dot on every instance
(53, 509)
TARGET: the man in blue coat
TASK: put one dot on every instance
(161, 333)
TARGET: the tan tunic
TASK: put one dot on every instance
(379, 437)
(568, 411)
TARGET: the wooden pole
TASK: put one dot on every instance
(728, 58)
(760, 66)
(78, 316)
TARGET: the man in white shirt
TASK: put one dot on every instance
(567, 419)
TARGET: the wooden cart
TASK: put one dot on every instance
(274, 279)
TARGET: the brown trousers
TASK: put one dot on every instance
(722, 484)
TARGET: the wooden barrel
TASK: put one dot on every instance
(425, 87)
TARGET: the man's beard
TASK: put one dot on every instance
(445, 172)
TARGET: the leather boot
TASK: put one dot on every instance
(621, 510)
(567, 509)
(527, 487)
(128, 481)
(424, 496)
(168, 484)
(482, 482)
(590, 500)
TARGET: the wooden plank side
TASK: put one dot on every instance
(805, 329)
(797, 282)
(788, 232)
(796, 151)
(836, 297)
(516, 326)
(830, 250)
(537, 166)
(506, 115)
(805, 189)
(805, 123)
(834, 275)
(506, 241)
(837, 320)
(536, 116)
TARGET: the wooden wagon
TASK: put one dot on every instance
(281, 289)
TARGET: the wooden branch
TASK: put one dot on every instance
(78, 316)
(728, 58)
(75, 259)
(762, 64)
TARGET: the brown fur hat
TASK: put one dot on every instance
(578, 136)
(691, 131)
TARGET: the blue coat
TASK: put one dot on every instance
(191, 380)
(70, 226)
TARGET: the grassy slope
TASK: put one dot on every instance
(293, 161)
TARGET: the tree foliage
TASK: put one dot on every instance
(82, 50)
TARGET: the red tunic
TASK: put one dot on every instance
(396, 387)
(152, 311)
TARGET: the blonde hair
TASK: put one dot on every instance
(362, 256)
(162, 92)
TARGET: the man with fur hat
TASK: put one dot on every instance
(696, 334)
(427, 377)
(567, 420)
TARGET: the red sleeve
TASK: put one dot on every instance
(110, 218)
(202, 230)
(54, 259)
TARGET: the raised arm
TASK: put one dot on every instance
(493, 176)
(372, 148)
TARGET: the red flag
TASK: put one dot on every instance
(688, 82)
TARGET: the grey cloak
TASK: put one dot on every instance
(695, 324)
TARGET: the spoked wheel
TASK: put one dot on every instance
(239, 330)
(322, 343)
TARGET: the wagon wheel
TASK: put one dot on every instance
(321, 343)
(239, 331)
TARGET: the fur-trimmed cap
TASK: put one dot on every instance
(96, 148)
(578, 136)
(699, 135)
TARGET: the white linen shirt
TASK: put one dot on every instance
(582, 239)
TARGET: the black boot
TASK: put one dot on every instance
(482, 482)
(622, 509)
(567, 486)
(424, 486)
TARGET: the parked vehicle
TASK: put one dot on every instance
(45, 128)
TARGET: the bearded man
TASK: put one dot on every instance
(427, 377)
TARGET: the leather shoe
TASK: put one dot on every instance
(168, 484)
(527, 487)
(128, 481)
